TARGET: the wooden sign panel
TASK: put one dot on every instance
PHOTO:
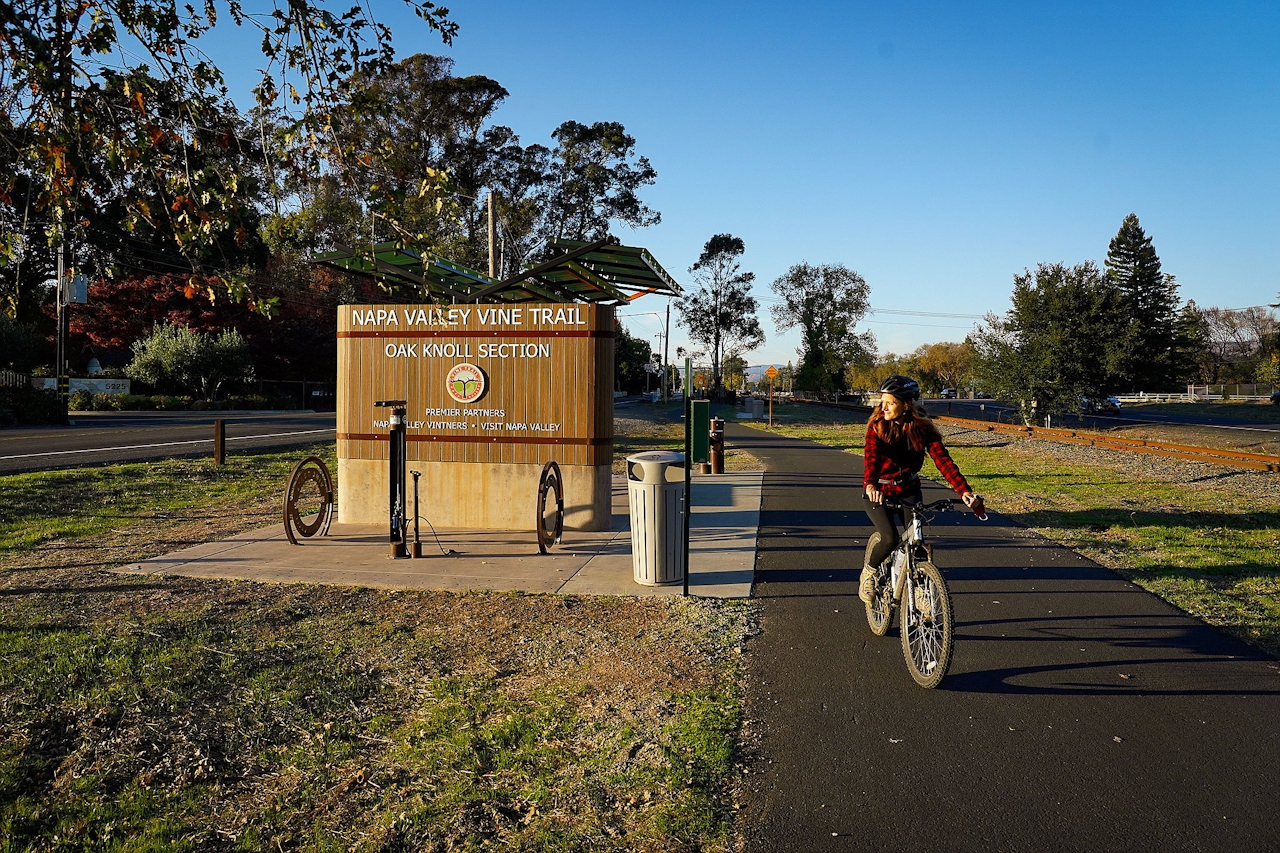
(484, 383)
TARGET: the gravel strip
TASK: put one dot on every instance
(1237, 481)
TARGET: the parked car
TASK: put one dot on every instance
(981, 395)
(948, 393)
(1275, 398)
(1105, 406)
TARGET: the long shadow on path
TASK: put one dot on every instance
(1081, 712)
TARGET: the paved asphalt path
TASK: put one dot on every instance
(103, 437)
(1081, 713)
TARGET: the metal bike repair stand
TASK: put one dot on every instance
(396, 483)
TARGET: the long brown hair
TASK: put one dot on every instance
(911, 427)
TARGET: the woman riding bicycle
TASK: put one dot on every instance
(899, 434)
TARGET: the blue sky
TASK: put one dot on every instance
(936, 148)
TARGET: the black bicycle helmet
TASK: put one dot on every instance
(902, 387)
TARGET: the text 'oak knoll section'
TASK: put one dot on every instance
(494, 392)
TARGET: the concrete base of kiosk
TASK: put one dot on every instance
(475, 495)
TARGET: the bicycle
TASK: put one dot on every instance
(926, 619)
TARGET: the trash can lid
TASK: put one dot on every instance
(651, 466)
(667, 456)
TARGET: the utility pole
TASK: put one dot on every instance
(666, 347)
(493, 257)
(63, 381)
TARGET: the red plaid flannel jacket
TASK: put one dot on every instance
(890, 468)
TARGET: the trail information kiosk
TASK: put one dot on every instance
(495, 389)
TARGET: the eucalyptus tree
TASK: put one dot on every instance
(593, 179)
(721, 314)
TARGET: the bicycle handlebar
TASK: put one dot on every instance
(943, 505)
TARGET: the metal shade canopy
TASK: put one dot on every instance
(601, 272)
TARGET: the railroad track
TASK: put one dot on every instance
(1186, 452)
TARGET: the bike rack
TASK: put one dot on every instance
(309, 472)
(551, 480)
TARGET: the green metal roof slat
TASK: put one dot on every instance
(400, 272)
(595, 280)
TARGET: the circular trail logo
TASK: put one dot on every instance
(465, 383)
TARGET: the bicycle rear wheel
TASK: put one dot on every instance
(880, 609)
(927, 627)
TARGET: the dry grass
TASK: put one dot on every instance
(182, 714)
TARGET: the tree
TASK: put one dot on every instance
(415, 158)
(1235, 341)
(1268, 372)
(826, 302)
(945, 365)
(1195, 364)
(58, 62)
(416, 153)
(19, 346)
(592, 181)
(721, 315)
(734, 371)
(630, 357)
(1045, 351)
(199, 362)
(1143, 349)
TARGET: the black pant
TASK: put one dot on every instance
(886, 522)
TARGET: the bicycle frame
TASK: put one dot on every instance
(904, 557)
(910, 584)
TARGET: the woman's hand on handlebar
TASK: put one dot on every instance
(873, 494)
(974, 502)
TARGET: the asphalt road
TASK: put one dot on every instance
(1081, 713)
(105, 437)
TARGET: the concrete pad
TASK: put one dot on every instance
(722, 547)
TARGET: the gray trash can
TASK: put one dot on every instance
(757, 408)
(657, 516)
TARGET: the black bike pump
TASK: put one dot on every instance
(417, 542)
(396, 497)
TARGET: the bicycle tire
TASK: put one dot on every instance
(928, 637)
(880, 609)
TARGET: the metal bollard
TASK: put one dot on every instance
(717, 445)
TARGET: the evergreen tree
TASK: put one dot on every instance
(1143, 352)
(1045, 349)
(1191, 356)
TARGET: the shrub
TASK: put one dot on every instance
(28, 406)
(200, 363)
(81, 401)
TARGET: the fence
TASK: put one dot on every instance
(13, 379)
(305, 393)
(1230, 392)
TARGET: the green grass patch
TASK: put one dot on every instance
(78, 504)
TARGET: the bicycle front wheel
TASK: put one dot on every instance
(927, 626)
(880, 608)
